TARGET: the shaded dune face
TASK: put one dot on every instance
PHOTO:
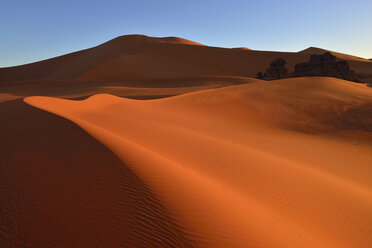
(59, 187)
(274, 164)
(73, 65)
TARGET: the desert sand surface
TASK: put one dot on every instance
(261, 164)
(165, 142)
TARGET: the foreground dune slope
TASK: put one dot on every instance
(59, 187)
(279, 164)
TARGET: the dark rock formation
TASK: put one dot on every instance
(323, 65)
(277, 70)
(279, 62)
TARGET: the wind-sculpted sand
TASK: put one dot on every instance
(279, 164)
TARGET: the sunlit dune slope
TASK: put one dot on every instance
(279, 164)
(138, 57)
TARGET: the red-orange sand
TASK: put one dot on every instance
(257, 165)
(216, 159)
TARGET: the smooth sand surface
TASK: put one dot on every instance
(277, 164)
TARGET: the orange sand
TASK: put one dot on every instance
(276, 164)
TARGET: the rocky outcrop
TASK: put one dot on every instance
(322, 65)
(325, 65)
(277, 70)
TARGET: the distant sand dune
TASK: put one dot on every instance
(138, 57)
(279, 164)
(73, 65)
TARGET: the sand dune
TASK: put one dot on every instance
(181, 61)
(73, 65)
(55, 193)
(62, 188)
(137, 57)
(279, 164)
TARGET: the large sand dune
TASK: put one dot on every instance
(280, 164)
(138, 57)
(73, 65)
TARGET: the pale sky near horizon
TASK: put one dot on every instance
(41, 29)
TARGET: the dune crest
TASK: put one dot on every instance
(262, 164)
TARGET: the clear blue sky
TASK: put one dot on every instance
(32, 30)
